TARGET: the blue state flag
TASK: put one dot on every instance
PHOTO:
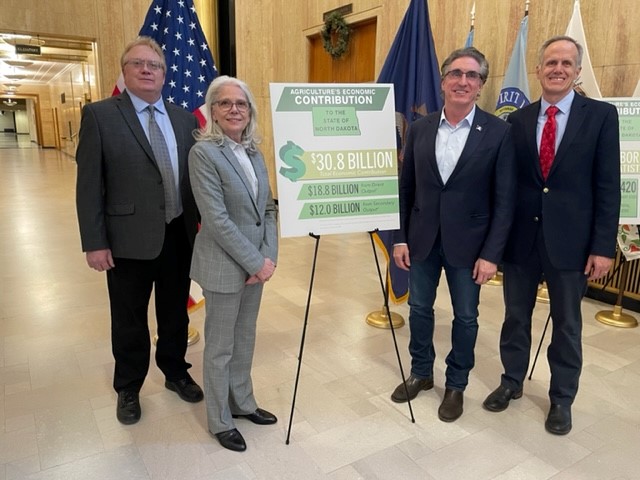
(469, 42)
(190, 66)
(412, 67)
(515, 88)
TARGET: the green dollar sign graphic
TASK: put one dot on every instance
(290, 154)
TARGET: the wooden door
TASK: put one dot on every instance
(357, 65)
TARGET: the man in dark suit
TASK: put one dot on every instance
(457, 193)
(138, 220)
(567, 209)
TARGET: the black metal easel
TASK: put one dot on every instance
(306, 321)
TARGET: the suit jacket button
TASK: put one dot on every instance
(536, 219)
(258, 224)
(545, 189)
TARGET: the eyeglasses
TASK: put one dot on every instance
(226, 105)
(457, 74)
(139, 64)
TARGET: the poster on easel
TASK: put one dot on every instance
(629, 118)
(336, 158)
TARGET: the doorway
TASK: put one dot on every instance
(357, 65)
(55, 76)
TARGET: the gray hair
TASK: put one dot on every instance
(559, 38)
(212, 131)
(472, 52)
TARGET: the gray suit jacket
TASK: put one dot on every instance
(238, 231)
(119, 192)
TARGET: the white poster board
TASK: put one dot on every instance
(629, 115)
(336, 157)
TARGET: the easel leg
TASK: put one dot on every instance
(544, 332)
(385, 294)
(304, 333)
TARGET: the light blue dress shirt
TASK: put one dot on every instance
(164, 122)
(450, 142)
(562, 117)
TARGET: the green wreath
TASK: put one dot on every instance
(335, 24)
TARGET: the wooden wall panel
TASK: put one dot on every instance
(273, 36)
(356, 65)
(608, 24)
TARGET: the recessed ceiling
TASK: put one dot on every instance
(57, 56)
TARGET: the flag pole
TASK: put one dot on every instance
(469, 41)
(473, 17)
(379, 318)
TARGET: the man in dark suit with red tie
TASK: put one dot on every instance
(567, 209)
(457, 193)
(138, 220)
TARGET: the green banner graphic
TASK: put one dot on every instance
(349, 208)
(295, 168)
(629, 117)
(304, 99)
(629, 198)
(329, 190)
(301, 165)
(335, 121)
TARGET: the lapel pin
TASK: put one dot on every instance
(479, 128)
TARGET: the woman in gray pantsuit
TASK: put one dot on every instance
(234, 254)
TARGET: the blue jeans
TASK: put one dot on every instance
(424, 277)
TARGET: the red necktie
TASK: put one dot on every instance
(548, 141)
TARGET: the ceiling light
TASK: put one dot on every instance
(15, 76)
(10, 103)
(18, 63)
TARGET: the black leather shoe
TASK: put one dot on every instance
(451, 406)
(128, 409)
(259, 417)
(498, 400)
(414, 385)
(186, 388)
(559, 419)
(232, 440)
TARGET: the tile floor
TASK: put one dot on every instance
(57, 407)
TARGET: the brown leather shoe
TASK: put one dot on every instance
(451, 406)
(414, 385)
(498, 400)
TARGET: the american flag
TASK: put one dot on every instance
(190, 66)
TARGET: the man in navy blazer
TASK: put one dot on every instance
(565, 226)
(128, 228)
(457, 192)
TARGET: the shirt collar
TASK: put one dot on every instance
(140, 104)
(233, 144)
(564, 105)
(468, 119)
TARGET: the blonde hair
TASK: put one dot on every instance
(147, 42)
